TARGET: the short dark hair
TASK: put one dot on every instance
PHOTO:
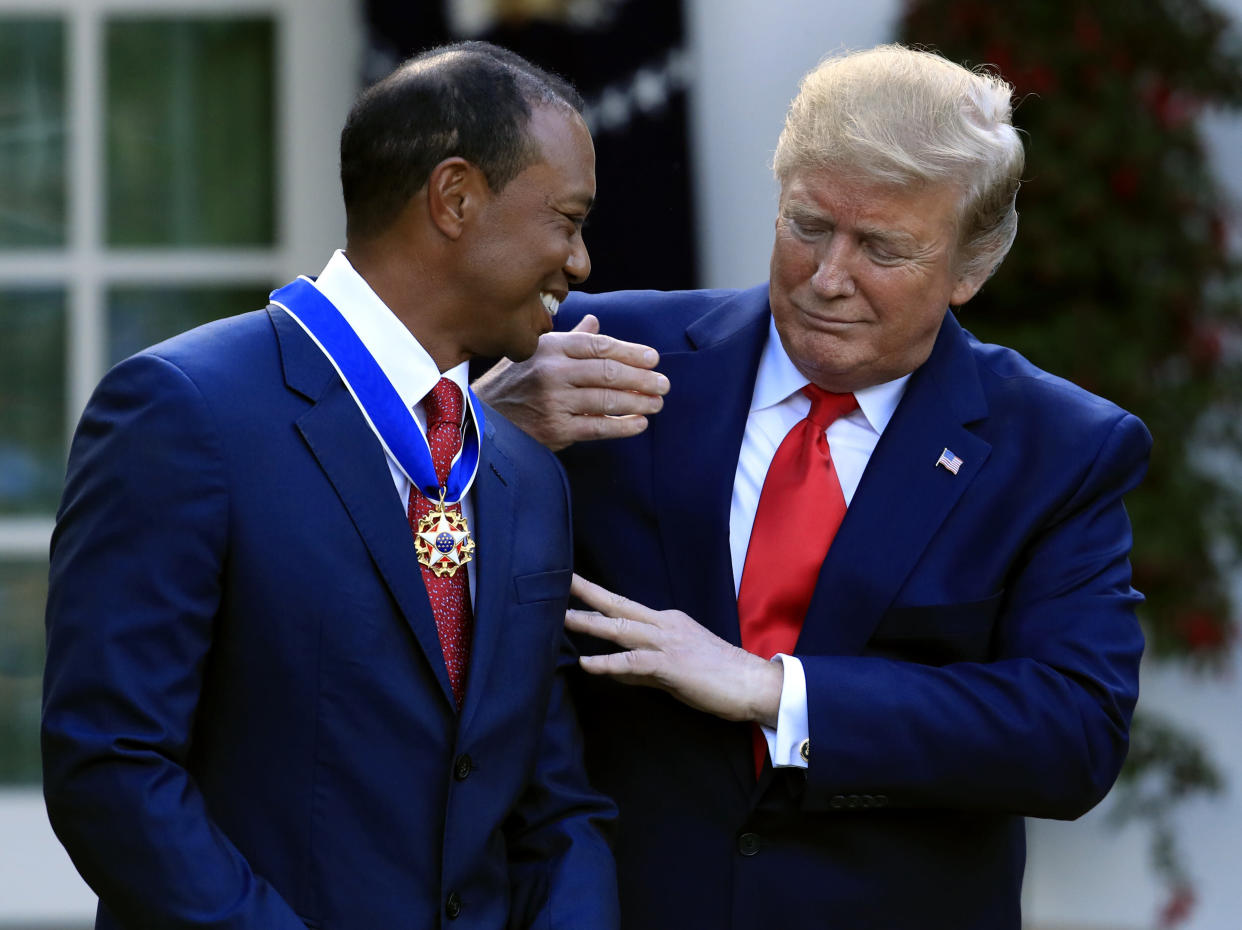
(468, 99)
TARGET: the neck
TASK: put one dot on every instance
(416, 298)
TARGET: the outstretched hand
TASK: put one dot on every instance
(578, 385)
(667, 649)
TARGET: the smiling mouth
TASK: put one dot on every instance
(550, 303)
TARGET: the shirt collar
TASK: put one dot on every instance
(779, 380)
(399, 355)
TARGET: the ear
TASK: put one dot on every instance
(966, 288)
(455, 190)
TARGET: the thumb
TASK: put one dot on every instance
(588, 324)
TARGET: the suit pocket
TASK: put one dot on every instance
(938, 634)
(542, 586)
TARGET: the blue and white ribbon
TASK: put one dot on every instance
(389, 418)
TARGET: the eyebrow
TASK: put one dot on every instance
(799, 210)
(889, 236)
(574, 202)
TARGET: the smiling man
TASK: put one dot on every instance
(305, 663)
(870, 576)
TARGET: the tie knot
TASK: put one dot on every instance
(827, 407)
(443, 404)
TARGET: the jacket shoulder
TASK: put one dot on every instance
(235, 347)
(655, 318)
(526, 454)
(1017, 387)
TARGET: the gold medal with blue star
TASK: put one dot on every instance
(443, 540)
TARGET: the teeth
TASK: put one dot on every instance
(550, 303)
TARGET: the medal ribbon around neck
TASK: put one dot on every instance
(389, 418)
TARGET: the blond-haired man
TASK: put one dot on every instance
(873, 574)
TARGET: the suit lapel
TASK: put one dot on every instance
(902, 500)
(695, 443)
(337, 434)
(495, 490)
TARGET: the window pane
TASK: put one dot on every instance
(32, 400)
(190, 135)
(23, 593)
(32, 132)
(142, 316)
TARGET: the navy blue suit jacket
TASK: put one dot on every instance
(971, 650)
(248, 721)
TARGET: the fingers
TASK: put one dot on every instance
(620, 631)
(605, 377)
(591, 344)
(588, 324)
(603, 600)
(624, 666)
(592, 401)
(586, 428)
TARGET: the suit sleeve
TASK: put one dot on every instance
(561, 864)
(133, 593)
(1042, 729)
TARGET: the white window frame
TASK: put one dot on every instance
(319, 47)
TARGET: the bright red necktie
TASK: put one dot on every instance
(800, 508)
(449, 594)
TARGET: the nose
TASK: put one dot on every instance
(832, 277)
(578, 264)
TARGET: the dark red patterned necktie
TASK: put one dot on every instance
(449, 595)
(800, 508)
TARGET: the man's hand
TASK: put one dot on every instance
(670, 651)
(578, 385)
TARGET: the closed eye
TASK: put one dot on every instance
(883, 255)
(807, 229)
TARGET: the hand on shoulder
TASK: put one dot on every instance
(579, 385)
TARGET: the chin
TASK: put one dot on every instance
(520, 352)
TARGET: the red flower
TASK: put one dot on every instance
(1171, 108)
(968, 16)
(1205, 346)
(1124, 181)
(1219, 231)
(1202, 632)
(1039, 79)
(1178, 908)
(997, 54)
(1087, 31)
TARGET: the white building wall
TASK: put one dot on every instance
(318, 60)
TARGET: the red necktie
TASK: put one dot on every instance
(449, 594)
(800, 508)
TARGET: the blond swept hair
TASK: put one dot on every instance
(898, 115)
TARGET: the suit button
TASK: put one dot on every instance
(452, 905)
(880, 800)
(748, 844)
(851, 801)
(837, 802)
(462, 767)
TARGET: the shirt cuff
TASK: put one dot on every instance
(792, 728)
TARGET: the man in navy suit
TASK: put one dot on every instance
(305, 644)
(873, 574)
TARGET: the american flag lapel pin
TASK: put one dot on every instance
(949, 461)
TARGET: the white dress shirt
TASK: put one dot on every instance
(776, 406)
(399, 355)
